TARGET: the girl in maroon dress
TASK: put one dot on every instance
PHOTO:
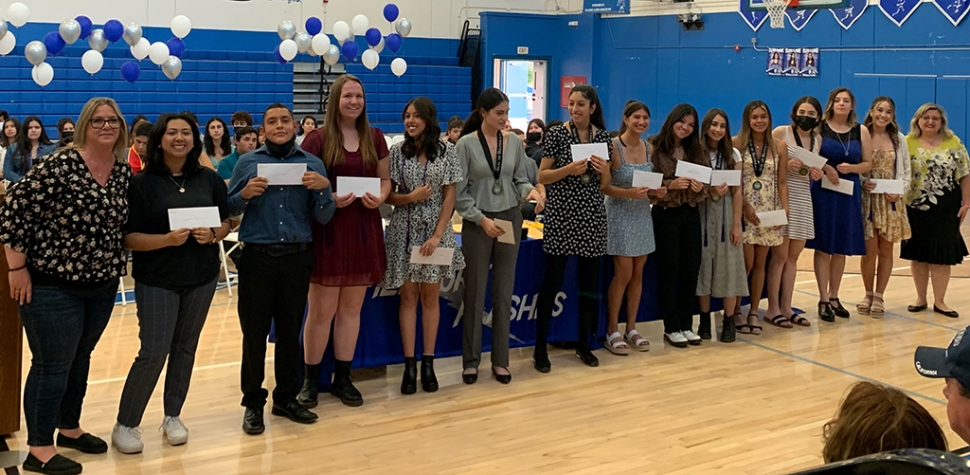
(349, 251)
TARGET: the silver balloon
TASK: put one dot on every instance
(332, 55)
(3, 28)
(403, 27)
(286, 30)
(70, 31)
(172, 67)
(312, 53)
(132, 34)
(97, 41)
(303, 41)
(35, 52)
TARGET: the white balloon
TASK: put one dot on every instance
(140, 50)
(92, 61)
(380, 46)
(17, 14)
(320, 44)
(289, 49)
(181, 26)
(399, 66)
(361, 24)
(158, 52)
(370, 58)
(7, 43)
(341, 30)
(42, 74)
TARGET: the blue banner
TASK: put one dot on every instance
(606, 6)
(849, 15)
(799, 18)
(954, 10)
(754, 19)
(898, 11)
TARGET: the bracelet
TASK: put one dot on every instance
(214, 239)
(19, 268)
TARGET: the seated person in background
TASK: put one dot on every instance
(875, 418)
(520, 133)
(245, 143)
(260, 137)
(453, 133)
(952, 363)
(139, 146)
(241, 119)
(540, 153)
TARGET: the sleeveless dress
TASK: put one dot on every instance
(349, 250)
(629, 223)
(878, 214)
(722, 272)
(801, 221)
(838, 217)
(765, 199)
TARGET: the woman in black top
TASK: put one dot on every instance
(175, 274)
(64, 275)
(533, 136)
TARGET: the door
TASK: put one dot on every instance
(525, 82)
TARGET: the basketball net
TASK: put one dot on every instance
(776, 11)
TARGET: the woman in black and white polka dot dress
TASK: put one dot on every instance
(575, 219)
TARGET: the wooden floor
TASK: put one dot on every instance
(753, 407)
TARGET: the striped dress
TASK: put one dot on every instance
(800, 215)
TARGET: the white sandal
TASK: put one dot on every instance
(616, 345)
(638, 341)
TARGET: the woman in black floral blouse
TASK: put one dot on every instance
(61, 230)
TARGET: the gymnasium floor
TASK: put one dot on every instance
(753, 407)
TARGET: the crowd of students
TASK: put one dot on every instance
(309, 243)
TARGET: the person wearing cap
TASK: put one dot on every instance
(953, 364)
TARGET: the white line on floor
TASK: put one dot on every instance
(197, 368)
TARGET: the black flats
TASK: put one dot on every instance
(838, 309)
(948, 313)
(918, 308)
(87, 443)
(57, 465)
(825, 312)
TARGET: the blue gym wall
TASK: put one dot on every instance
(652, 59)
(222, 72)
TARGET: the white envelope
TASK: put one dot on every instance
(282, 173)
(770, 219)
(358, 185)
(893, 187)
(188, 218)
(585, 150)
(647, 179)
(810, 159)
(846, 187)
(441, 256)
(509, 236)
(692, 170)
(729, 177)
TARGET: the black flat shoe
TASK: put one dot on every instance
(542, 364)
(825, 312)
(728, 333)
(587, 357)
(295, 412)
(470, 378)
(253, 421)
(87, 443)
(57, 465)
(918, 308)
(838, 309)
(502, 378)
(949, 313)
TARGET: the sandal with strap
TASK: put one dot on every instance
(755, 329)
(779, 321)
(878, 309)
(799, 320)
(865, 306)
(616, 345)
(742, 328)
(637, 340)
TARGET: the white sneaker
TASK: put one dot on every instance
(676, 339)
(175, 431)
(691, 337)
(127, 439)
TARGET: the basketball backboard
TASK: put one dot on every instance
(758, 5)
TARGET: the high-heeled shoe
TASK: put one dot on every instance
(540, 360)
(409, 383)
(429, 382)
(469, 378)
(502, 378)
(825, 312)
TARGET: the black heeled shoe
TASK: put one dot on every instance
(825, 312)
(502, 378)
(838, 309)
(704, 327)
(409, 382)
(469, 378)
(429, 382)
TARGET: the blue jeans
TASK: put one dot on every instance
(62, 327)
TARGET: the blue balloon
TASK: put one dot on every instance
(130, 71)
(394, 42)
(373, 36)
(54, 43)
(278, 56)
(113, 30)
(350, 50)
(314, 26)
(176, 47)
(86, 26)
(391, 12)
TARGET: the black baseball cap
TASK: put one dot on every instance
(950, 362)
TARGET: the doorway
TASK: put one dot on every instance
(525, 82)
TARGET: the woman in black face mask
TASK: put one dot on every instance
(533, 136)
(803, 133)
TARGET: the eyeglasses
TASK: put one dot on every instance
(100, 123)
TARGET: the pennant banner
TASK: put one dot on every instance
(899, 11)
(754, 19)
(954, 10)
(799, 18)
(849, 15)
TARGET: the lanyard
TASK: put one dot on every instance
(758, 163)
(495, 166)
(575, 131)
(798, 140)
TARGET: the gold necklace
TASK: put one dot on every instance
(182, 186)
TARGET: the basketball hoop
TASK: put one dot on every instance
(776, 11)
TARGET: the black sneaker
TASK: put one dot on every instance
(87, 443)
(57, 465)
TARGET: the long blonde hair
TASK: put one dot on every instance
(916, 132)
(333, 148)
(120, 149)
(852, 120)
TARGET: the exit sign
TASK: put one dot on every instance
(522, 50)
